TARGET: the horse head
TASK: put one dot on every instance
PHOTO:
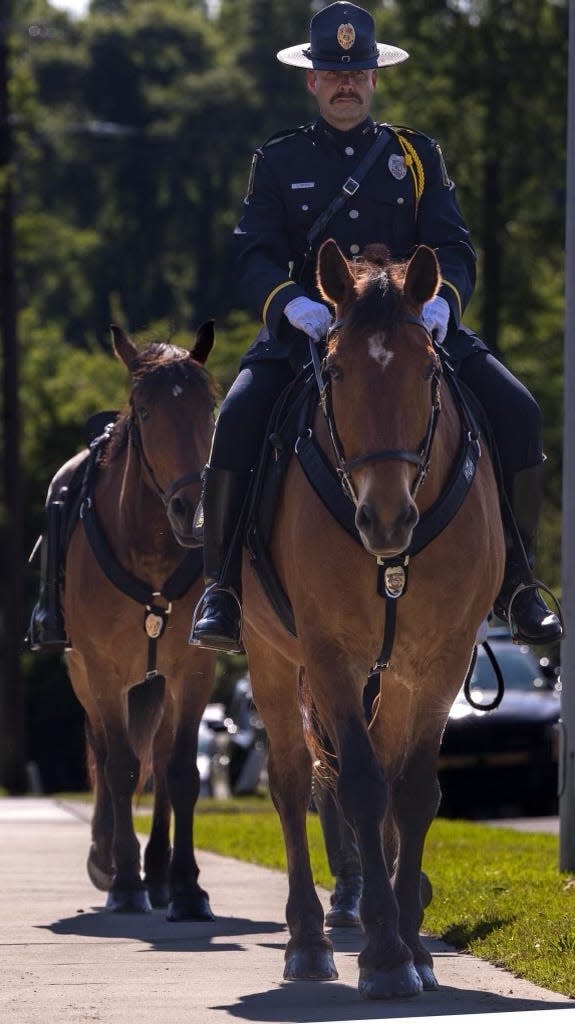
(171, 420)
(383, 382)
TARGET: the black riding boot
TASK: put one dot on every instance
(46, 630)
(519, 601)
(218, 617)
(343, 859)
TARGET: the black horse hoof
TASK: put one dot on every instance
(314, 964)
(129, 901)
(159, 895)
(390, 983)
(428, 979)
(101, 878)
(182, 908)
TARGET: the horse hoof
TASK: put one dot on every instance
(159, 895)
(399, 982)
(310, 965)
(126, 901)
(182, 909)
(428, 979)
(98, 876)
(425, 890)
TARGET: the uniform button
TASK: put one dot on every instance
(354, 214)
(305, 206)
(354, 249)
(349, 150)
(400, 200)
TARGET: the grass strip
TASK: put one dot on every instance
(498, 893)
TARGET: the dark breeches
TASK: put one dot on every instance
(245, 412)
(512, 412)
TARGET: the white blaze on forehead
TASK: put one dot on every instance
(378, 351)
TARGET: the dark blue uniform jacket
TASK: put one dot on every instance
(405, 199)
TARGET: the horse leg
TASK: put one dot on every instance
(158, 850)
(386, 963)
(100, 864)
(409, 738)
(121, 773)
(309, 953)
(188, 901)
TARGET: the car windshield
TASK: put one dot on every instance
(519, 668)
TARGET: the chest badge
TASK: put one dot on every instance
(346, 36)
(396, 164)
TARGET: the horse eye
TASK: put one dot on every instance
(335, 371)
(143, 413)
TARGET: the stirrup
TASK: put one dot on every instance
(225, 644)
(535, 585)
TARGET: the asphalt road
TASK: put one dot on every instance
(65, 960)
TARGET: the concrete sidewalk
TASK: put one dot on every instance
(66, 961)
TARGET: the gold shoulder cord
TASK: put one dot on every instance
(415, 165)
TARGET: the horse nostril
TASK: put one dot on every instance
(363, 517)
(179, 507)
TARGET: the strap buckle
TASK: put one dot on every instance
(350, 187)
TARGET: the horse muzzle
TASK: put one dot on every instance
(181, 511)
(385, 539)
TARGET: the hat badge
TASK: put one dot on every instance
(346, 36)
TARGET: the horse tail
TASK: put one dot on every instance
(324, 760)
(145, 710)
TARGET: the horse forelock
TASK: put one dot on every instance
(159, 363)
(378, 302)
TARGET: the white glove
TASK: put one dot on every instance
(313, 318)
(436, 317)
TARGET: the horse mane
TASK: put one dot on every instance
(153, 365)
(379, 295)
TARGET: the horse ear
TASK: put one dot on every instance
(423, 276)
(334, 278)
(204, 342)
(123, 346)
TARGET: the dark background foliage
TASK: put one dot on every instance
(134, 130)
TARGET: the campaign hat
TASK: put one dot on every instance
(342, 38)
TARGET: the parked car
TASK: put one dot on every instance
(506, 759)
(232, 746)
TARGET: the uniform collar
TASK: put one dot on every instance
(355, 137)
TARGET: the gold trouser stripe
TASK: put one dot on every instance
(272, 295)
(457, 295)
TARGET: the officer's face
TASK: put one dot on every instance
(343, 97)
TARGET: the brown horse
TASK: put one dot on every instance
(142, 687)
(384, 381)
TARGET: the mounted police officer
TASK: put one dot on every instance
(405, 198)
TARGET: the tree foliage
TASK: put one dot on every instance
(134, 132)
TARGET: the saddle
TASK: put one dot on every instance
(290, 434)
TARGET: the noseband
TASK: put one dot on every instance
(419, 458)
(182, 481)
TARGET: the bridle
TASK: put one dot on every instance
(419, 458)
(166, 494)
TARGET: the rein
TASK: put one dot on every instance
(158, 603)
(420, 458)
(393, 572)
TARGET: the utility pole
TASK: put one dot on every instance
(567, 760)
(12, 711)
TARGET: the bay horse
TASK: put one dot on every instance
(385, 388)
(142, 687)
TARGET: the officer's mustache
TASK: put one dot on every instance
(346, 96)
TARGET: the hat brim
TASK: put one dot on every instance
(386, 55)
